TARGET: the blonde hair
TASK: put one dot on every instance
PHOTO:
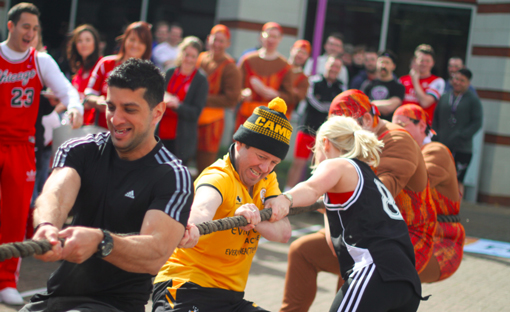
(346, 135)
(190, 41)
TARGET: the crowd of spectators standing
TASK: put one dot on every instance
(202, 80)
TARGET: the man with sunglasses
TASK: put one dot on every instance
(450, 234)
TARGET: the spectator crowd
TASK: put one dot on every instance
(412, 142)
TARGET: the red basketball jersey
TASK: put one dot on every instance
(20, 89)
(432, 85)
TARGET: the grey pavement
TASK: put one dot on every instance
(482, 283)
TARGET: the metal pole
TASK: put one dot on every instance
(7, 6)
(320, 18)
(72, 15)
(145, 8)
(385, 24)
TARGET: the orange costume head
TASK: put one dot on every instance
(303, 44)
(221, 29)
(413, 111)
(353, 103)
(270, 25)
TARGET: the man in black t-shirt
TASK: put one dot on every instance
(118, 184)
(385, 91)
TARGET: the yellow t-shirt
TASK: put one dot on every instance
(221, 259)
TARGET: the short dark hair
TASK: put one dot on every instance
(134, 74)
(456, 58)
(388, 53)
(337, 35)
(466, 73)
(24, 7)
(162, 23)
(174, 24)
(371, 50)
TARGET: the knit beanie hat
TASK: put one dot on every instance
(267, 129)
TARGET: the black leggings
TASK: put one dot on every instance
(366, 291)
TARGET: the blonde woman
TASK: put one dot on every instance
(364, 227)
(185, 97)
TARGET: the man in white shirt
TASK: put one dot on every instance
(23, 73)
(334, 46)
(165, 53)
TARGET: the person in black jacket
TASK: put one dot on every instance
(185, 97)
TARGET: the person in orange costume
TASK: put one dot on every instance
(450, 234)
(299, 53)
(402, 170)
(224, 90)
(265, 74)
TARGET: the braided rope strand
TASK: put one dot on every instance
(24, 249)
(31, 247)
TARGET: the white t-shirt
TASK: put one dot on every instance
(162, 53)
(343, 76)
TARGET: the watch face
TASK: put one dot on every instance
(106, 249)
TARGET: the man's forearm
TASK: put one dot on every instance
(147, 252)
(424, 99)
(279, 231)
(387, 106)
(58, 197)
(143, 253)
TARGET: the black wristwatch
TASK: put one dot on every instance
(105, 247)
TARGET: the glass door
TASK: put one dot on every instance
(446, 29)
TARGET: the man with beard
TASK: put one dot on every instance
(458, 117)
(455, 63)
(364, 77)
(385, 91)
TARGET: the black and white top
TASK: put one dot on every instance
(368, 228)
(318, 99)
(115, 194)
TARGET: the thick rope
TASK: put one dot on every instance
(237, 221)
(24, 249)
(30, 247)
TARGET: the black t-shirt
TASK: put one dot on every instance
(115, 194)
(319, 97)
(368, 228)
(383, 90)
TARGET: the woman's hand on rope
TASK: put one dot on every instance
(280, 206)
(190, 238)
(50, 233)
(252, 215)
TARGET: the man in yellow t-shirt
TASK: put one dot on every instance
(209, 273)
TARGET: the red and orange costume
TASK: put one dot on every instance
(224, 89)
(449, 236)
(276, 74)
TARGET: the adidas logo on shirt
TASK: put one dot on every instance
(130, 194)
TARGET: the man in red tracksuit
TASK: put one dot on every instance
(23, 73)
